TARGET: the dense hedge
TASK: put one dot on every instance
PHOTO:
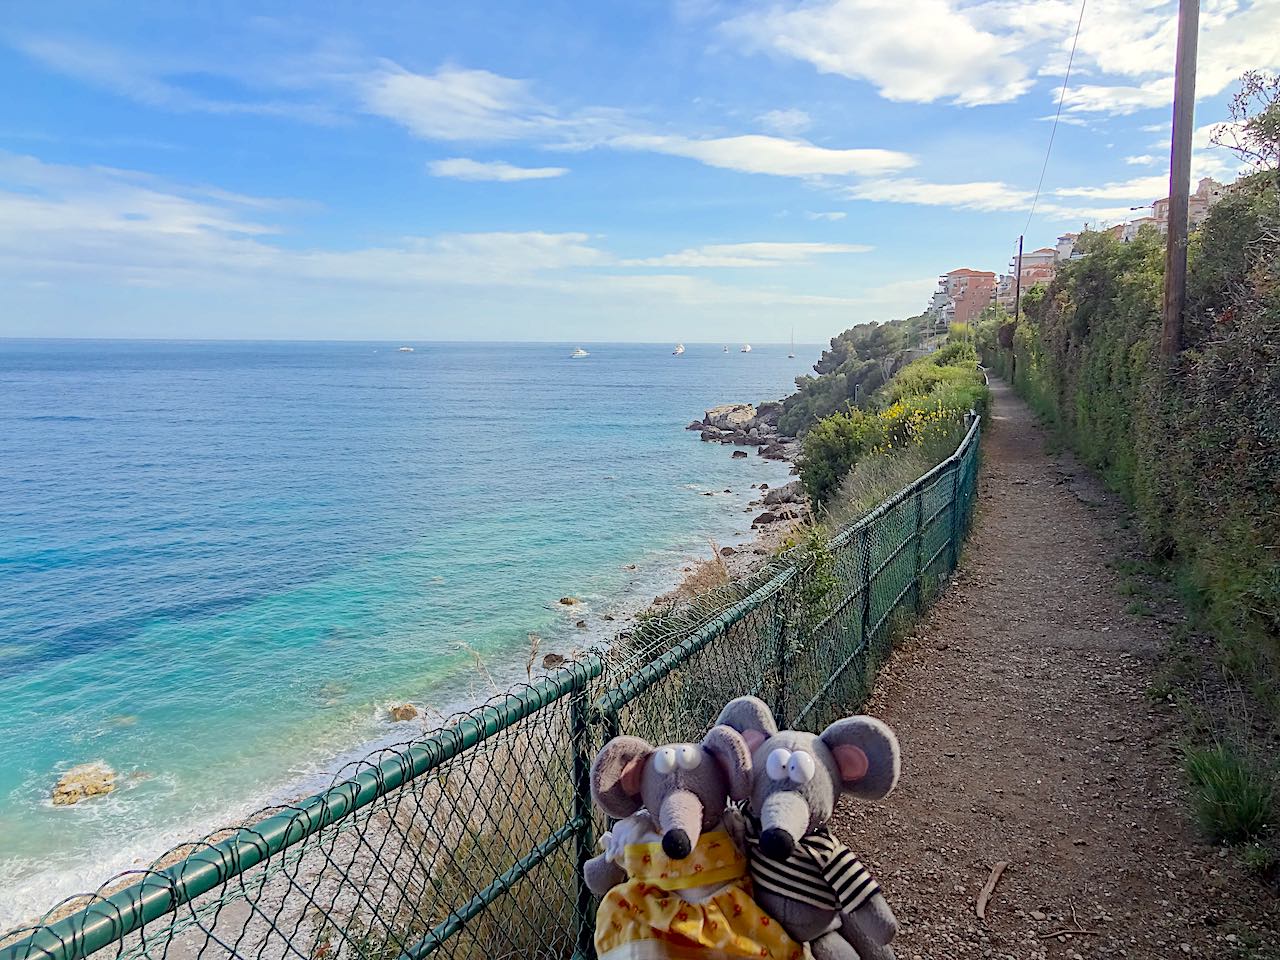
(923, 406)
(1193, 443)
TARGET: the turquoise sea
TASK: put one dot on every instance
(220, 563)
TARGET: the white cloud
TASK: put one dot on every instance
(759, 254)
(917, 52)
(755, 153)
(1139, 188)
(829, 215)
(1144, 160)
(986, 195)
(462, 168)
(127, 227)
(456, 104)
(789, 123)
(991, 51)
(1118, 99)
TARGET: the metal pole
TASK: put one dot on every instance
(1184, 105)
(1017, 286)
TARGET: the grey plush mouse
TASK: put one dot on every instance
(805, 878)
(672, 882)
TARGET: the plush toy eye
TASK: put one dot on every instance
(801, 768)
(688, 757)
(776, 765)
(664, 760)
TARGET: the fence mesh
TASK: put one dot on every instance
(469, 842)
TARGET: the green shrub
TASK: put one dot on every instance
(1233, 793)
(832, 447)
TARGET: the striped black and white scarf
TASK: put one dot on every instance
(821, 871)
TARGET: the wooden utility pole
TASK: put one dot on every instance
(1184, 105)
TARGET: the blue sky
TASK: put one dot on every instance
(688, 170)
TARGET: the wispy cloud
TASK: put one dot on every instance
(755, 153)
(759, 254)
(789, 123)
(462, 168)
(829, 215)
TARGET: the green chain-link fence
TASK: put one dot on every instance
(469, 843)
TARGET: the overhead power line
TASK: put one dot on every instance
(1057, 116)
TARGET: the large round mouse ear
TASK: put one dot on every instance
(729, 750)
(615, 775)
(751, 717)
(867, 753)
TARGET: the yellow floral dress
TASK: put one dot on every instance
(698, 907)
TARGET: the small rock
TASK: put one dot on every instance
(1038, 915)
(94, 779)
(765, 517)
(581, 624)
(739, 454)
(727, 551)
(570, 601)
(696, 425)
(552, 660)
(403, 711)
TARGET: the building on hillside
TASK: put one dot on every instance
(1133, 226)
(1066, 247)
(1037, 267)
(1006, 288)
(1208, 192)
(967, 292)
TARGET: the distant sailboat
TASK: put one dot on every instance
(578, 353)
(746, 348)
(406, 350)
(726, 349)
(678, 350)
(792, 354)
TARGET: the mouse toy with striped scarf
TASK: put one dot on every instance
(803, 876)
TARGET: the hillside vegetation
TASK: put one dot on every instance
(858, 362)
(909, 424)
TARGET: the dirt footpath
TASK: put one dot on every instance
(1030, 735)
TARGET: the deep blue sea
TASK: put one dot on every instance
(221, 562)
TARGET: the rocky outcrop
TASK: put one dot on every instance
(80, 783)
(729, 416)
(739, 454)
(743, 425)
(403, 711)
(792, 492)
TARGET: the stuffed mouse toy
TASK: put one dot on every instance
(672, 882)
(803, 876)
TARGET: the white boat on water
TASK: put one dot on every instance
(406, 350)
(578, 353)
(726, 349)
(678, 350)
(746, 348)
(792, 354)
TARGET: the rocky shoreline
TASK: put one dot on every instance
(779, 510)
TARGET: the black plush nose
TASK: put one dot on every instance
(776, 843)
(675, 844)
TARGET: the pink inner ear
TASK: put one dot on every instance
(753, 738)
(630, 778)
(852, 761)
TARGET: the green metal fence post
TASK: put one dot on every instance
(955, 515)
(866, 585)
(919, 581)
(584, 915)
